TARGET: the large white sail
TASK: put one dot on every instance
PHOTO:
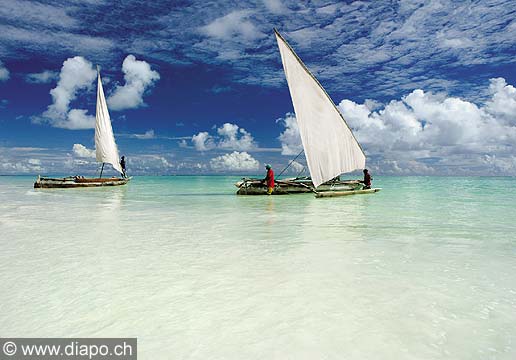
(105, 145)
(330, 147)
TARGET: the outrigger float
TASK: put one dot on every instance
(329, 145)
(106, 152)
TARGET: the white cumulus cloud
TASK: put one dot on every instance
(203, 141)
(139, 77)
(503, 101)
(426, 132)
(235, 138)
(82, 151)
(76, 74)
(235, 161)
(290, 138)
(229, 136)
(79, 119)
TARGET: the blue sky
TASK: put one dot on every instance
(198, 86)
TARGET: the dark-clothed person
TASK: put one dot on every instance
(367, 179)
(122, 164)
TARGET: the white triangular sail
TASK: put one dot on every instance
(330, 147)
(105, 145)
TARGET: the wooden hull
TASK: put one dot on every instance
(324, 194)
(77, 182)
(293, 186)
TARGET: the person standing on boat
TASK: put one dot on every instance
(122, 164)
(367, 180)
(269, 179)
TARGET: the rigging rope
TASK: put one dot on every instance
(291, 162)
(302, 171)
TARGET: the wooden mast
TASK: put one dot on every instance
(102, 169)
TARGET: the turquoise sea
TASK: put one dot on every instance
(424, 269)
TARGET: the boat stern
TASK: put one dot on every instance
(37, 183)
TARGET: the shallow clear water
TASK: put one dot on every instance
(425, 269)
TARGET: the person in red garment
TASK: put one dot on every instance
(367, 180)
(269, 179)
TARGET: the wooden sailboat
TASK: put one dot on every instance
(105, 148)
(329, 145)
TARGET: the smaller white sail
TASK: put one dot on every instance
(330, 147)
(105, 145)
